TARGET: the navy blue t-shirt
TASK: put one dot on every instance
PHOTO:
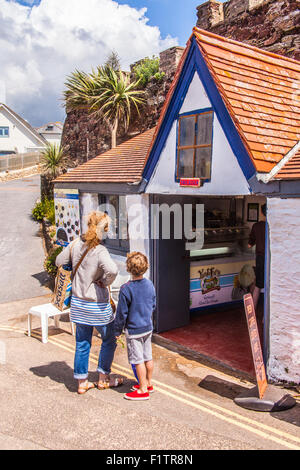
(137, 300)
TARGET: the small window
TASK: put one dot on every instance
(194, 147)
(4, 131)
(118, 237)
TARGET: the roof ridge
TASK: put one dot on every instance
(24, 123)
(266, 177)
(248, 46)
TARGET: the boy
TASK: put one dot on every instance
(137, 301)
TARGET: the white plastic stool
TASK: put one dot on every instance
(44, 312)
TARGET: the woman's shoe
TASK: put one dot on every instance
(82, 389)
(111, 383)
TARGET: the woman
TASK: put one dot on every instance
(93, 272)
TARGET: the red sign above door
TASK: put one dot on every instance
(190, 182)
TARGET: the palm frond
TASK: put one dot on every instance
(54, 160)
(105, 92)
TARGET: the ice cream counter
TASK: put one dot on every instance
(220, 280)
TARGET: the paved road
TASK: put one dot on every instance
(21, 249)
(192, 407)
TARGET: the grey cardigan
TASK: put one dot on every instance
(96, 266)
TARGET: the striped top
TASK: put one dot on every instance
(90, 313)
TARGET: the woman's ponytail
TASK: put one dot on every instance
(98, 224)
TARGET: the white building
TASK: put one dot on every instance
(52, 132)
(16, 134)
(228, 141)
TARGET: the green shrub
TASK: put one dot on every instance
(50, 261)
(38, 212)
(148, 68)
(49, 210)
(159, 76)
(44, 209)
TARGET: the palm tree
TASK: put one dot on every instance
(54, 160)
(105, 92)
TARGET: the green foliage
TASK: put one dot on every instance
(117, 95)
(54, 160)
(44, 209)
(49, 210)
(159, 76)
(105, 92)
(147, 69)
(49, 264)
(38, 212)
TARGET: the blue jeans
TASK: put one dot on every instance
(83, 346)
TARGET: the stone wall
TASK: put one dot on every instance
(86, 136)
(269, 24)
(273, 25)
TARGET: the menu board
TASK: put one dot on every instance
(67, 216)
(255, 345)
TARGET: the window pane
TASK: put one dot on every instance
(186, 163)
(187, 131)
(123, 220)
(204, 129)
(112, 208)
(6, 131)
(203, 162)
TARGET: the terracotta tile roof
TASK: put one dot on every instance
(123, 164)
(261, 91)
(291, 170)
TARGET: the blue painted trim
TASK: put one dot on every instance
(195, 62)
(197, 111)
(5, 130)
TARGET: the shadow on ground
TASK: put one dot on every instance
(61, 373)
(231, 391)
(221, 387)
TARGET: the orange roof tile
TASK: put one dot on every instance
(291, 170)
(261, 91)
(123, 164)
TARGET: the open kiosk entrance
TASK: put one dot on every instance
(200, 292)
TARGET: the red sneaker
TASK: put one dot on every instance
(137, 387)
(136, 396)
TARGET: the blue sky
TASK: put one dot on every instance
(45, 43)
(173, 17)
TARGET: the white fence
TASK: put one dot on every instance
(19, 160)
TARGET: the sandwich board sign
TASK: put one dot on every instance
(263, 397)
(259, 366)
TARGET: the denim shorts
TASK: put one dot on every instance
(139, 350)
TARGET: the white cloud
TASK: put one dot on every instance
(40, 46)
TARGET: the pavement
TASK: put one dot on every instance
(191, 409)
(21, 248)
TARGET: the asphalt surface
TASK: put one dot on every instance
(192, 407)
(21, 247)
